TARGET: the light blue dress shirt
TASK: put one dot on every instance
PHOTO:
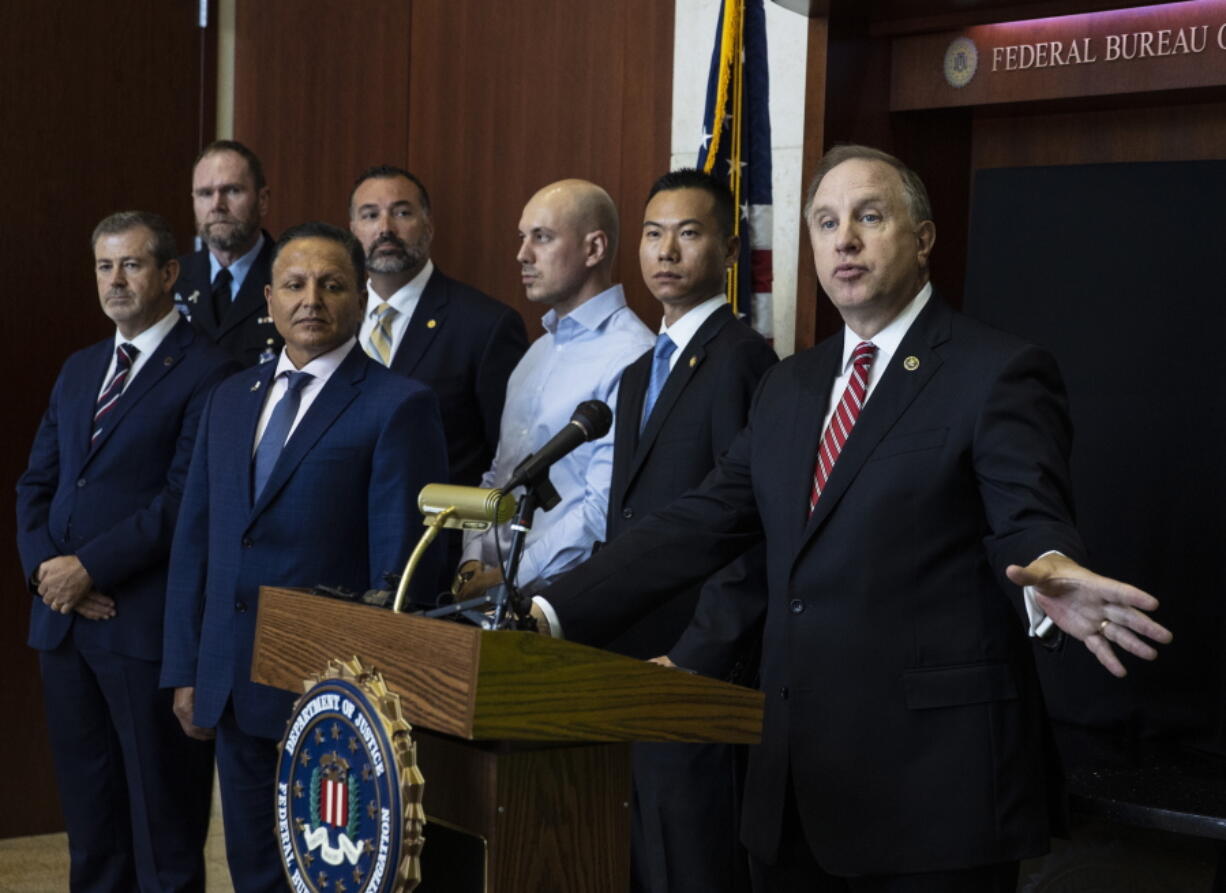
(580, 357)
(238, 270)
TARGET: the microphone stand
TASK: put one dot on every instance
(520, 525)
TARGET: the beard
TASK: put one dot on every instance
(229, 234)
(405, 257)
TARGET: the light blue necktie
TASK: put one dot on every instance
(277, 432)
(665, 348)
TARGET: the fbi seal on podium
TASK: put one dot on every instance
(349, 793)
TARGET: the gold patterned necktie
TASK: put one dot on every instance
(379, 344)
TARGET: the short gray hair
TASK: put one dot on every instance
(914, 193)
(162, 244)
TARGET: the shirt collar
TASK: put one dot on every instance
(405, 298)
(590, 315)
(888, 339)
(151, 339)
(683, 330)
(238, 269)
(321, 367)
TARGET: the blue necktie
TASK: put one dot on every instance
(277, 432)
(665, 348)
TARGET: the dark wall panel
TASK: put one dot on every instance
(100, 106)
(320, 93)
(508, 97)
(486, 102)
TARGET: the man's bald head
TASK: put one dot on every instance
(568, 239)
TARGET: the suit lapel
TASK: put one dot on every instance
(151, 372)
(250, 299)
(894, 392)
(427, 321)
(247, 422)
(814, 381)
(339, 391)
(674, 386)
(82, 402)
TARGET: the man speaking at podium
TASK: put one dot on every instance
(898, 472)
(306, 471)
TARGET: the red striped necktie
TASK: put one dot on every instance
(125, 355)
(844, 418)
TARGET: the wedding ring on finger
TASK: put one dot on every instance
(1102, 627)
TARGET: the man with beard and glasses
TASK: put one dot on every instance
(424, 324)
(221, 286)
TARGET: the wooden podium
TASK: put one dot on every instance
(523, 739)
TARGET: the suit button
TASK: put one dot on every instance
(627, 513)
(241, 607)
(80, 482)
(783, 692)
(247, 544)
(796, 606)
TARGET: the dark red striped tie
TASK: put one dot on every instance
(125, 354)
(844, 418)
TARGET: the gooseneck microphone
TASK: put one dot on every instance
(591, 420)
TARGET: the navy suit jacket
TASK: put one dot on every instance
(339, 509)
(702, 407)
(113, 503)
(902, 704)
(463, 344)
(246, 332)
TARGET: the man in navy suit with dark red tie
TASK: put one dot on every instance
(96, 510)
(909, 477)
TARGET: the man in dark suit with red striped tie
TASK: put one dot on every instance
(904, 746)
(96, 510)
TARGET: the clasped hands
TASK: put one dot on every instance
(65, 586)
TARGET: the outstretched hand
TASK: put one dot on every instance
(1097, 610)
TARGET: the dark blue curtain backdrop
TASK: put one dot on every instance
(1119, 270)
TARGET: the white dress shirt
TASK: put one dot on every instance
(321, 368)
(404, 300)
(682, 332)
(147, 342)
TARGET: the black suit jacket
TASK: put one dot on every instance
(901, 698)
(703, 405)
(463, 344)
(246, 332)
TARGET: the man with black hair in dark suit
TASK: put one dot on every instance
(426, 325)
(221, 286)
(909, 477)
(679, 407)
(96, 510)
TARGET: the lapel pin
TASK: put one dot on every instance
(264, 320)
(911, 363)
(169, 361)
(256, 386)
(693, 362)
(430, 323)
(191, 299)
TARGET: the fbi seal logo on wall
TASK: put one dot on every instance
(349, 813)
(961, 60)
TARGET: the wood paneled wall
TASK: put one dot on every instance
(486, 102)
(101, 105)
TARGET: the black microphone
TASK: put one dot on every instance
(591, 420)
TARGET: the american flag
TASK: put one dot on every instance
(736, 143)
(335, 797)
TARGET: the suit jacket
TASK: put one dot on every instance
(902, 702)
(339, 509)
(246, 332)
(113, 503)
(463, 344)
(703, 405)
